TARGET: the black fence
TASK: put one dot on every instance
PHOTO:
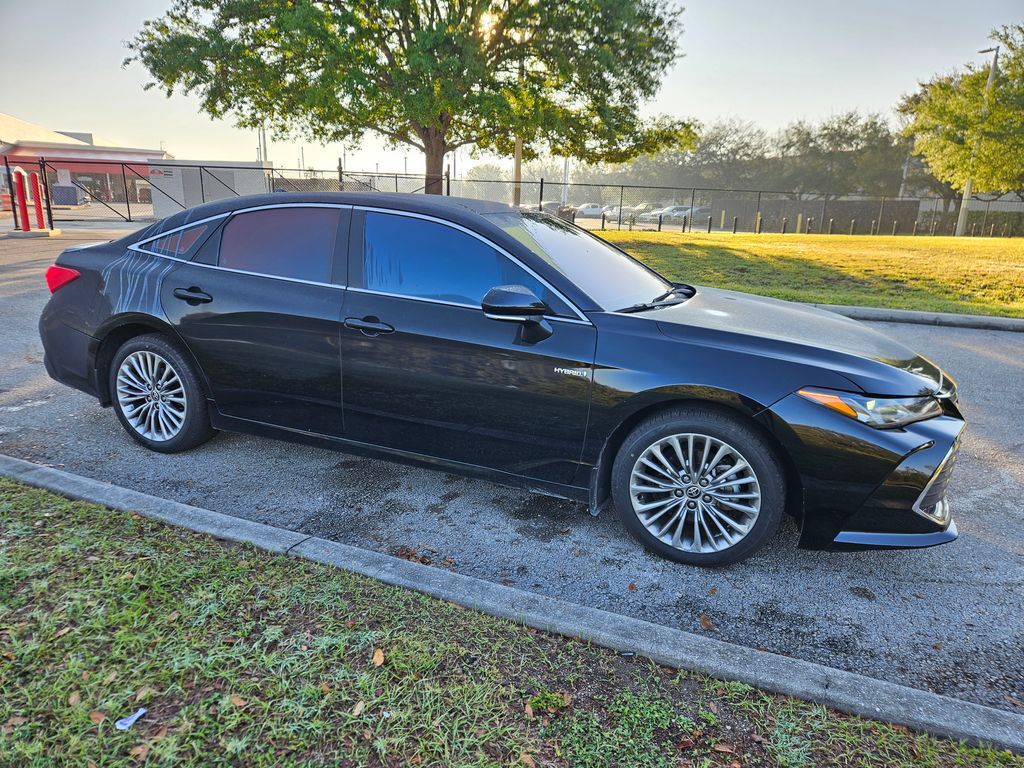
(88, 190)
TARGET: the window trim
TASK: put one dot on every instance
(579, 319)
(139, 248)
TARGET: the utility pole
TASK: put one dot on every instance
(961, 219)
(517, 162)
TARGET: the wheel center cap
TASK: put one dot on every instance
(693, 491)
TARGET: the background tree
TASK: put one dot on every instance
(843, 154)
(568, 76)
(957, 138)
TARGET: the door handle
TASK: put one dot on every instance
(368, 326)
(193, 295)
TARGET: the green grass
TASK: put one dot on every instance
(983, 276)
(244, 658)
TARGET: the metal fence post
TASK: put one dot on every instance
(693, 197)
(127, 201)
(984, 219)
(709, 224)
(659, 222)
(540, 196)
(10, 189)
(757, 215)
(992, 230)
(895, 225)
(881, 208)
(735, 221)
(46, 191)
(622, 192)
(603, 214)
(853, 224)
(915, 228)
(784, 221)
(202, 189)
(448, 181)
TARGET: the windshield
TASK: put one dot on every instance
(605, 274)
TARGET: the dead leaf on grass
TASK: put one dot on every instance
(74, 699)
(237, 700)
(706, 623)
(378, 657)
(723, 748)
(357, 710)
(632, 587)
(97, 716)
(13, 722)
(527, 760)
(141, 751)
(529, 712)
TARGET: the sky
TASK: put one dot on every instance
(770, 62)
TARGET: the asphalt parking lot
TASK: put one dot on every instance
(947, 619)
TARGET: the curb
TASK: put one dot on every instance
(845, 691)
(947, 319)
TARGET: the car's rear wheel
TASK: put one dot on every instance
(157, 395)
(699, 486)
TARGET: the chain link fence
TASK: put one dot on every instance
(88, 190)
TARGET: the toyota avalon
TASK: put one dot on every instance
(514, 346)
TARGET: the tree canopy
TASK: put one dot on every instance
(958, 137)
(567, 77)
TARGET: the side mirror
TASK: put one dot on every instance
(518, 304)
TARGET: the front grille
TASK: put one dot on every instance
(932, 501)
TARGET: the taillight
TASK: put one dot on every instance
(58, 276)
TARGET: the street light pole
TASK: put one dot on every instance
(961, 219)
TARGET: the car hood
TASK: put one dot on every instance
(874, 362)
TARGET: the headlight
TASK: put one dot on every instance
(877, 412)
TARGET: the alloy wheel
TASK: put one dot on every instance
(151, 396)
(695, 492)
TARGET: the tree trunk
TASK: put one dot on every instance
(434, 178)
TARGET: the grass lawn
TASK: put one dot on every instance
(246, 658)
(983, 276)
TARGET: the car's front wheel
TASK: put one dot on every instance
(699, 486)
(157, 395)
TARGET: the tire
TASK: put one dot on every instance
(674, 503)
(174, 417)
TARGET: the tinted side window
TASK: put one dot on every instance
(182, 244)
(413, 257)
(282, 242)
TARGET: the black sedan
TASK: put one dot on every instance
(514, 346)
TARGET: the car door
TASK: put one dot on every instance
(259, 307)
(426, 372)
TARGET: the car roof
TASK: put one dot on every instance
(456, 209)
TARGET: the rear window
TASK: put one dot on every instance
(181, 244)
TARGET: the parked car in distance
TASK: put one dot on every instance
(515, 346)
(590, 210)
(673, 214)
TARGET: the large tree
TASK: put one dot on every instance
(568, 76)
(960, 134)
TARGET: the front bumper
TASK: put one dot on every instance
(866, 488)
